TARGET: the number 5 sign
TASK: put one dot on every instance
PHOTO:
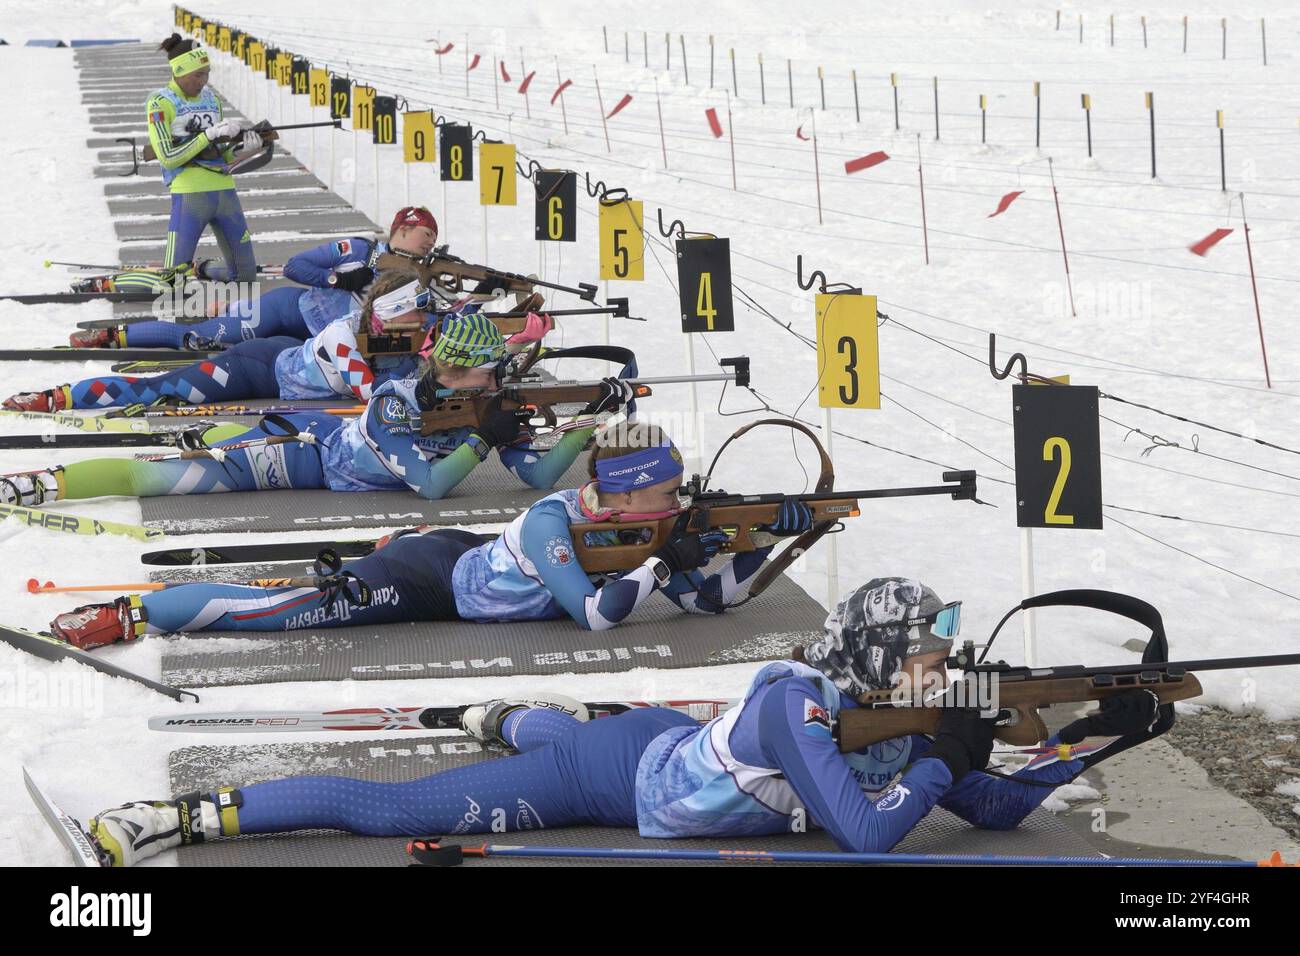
(848, 351)
(622, 243)
(1058, 456)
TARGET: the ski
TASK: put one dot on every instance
(153, 367)
(76, 524)
(247, 553)
(50, 648)
(74, 837)
(383, 719)
(130, 318)
(85, 423)
(63, 353)
(44, 298)
(164, 439)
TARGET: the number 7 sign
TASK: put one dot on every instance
(848, 351)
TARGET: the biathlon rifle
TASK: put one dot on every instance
(1015, 694)
(744, 516)
(269, 134)
(442, 270)
(461, 408)
(404, 340)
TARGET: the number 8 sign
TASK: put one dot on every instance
(848, 351)
(1058, 456)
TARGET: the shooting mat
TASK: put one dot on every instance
(394, 760)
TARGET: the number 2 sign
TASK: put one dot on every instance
(1058, 456)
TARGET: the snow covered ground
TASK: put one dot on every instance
(1155, 324)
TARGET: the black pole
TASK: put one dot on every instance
(1184, 34)
(685, 69)
(821, 81)
(627, 56)
(1263, 39)
(1087, 119)
(645, 45)
(1223, 167)
(1151, 108)
(894, 78)
(789, 76)
(936, 107)
(604, 32)
(1223, 21)
(856, 111)
(735, 87)
(762, 80)
(710, 61)
(668, 51)
(1038, 116)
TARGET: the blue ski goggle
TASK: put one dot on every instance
(946, 622)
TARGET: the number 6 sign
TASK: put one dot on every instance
(1058, 456)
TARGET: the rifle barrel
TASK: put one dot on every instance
(1209, 664)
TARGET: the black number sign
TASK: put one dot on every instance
(1058, 456)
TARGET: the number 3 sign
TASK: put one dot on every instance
(1058, 456)
(848, 351)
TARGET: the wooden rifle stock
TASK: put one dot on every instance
(886, 715)
(740, 521)
(466, 408)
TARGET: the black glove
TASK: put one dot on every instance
(1131, 712)
(793, 518)
(614, 394)
(964, 741)
(352, 280)
(686, 550)
(496, 426)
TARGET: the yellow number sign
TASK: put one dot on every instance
(622, 243)
(318, 81)
(496, 181)
(418, 137)
(363, 106)
(848, 351)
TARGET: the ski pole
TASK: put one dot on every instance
(430, 853)
(219, 454)
(34, 585)
(182, 411)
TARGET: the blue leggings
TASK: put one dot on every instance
(246, 370)
(220, 209)
(567, 773)
(275, 313)
(409, 580)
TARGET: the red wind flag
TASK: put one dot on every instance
(560, 89)
(627, 98)
(799, 133)
(523, 87)
(1210, 241)
(1004, 202)
(504, 75)
(714, 125)
(445, 49)
(865, 162)
(473, 63)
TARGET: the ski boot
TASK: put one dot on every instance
(144, 828)
(110, 338)
(28, 488)
(98, 625)
(483, 721)
(50, 400)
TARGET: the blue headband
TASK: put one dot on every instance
(637, 469)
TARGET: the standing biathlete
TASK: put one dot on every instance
(183, 120)
(380, 449)
(769, 766)
(529, 573)
(337, 274)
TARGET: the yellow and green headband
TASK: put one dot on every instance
(190, 62)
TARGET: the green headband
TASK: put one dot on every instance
(191, 62)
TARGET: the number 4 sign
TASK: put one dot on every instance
(848, 351)
(1058, 456)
